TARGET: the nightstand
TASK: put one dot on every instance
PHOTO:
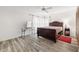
(67, 32)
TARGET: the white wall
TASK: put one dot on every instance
(11, 20)
(68, 16)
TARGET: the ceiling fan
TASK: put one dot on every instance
(45, 9)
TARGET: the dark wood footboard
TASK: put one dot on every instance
(47, 33)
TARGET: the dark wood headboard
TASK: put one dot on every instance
(56, 23)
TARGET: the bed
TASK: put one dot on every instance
(51, 31)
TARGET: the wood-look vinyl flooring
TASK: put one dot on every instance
(35, 44)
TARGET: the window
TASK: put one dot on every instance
(40, 22)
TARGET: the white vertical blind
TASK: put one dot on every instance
(40, 22)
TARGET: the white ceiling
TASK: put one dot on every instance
(36, 10)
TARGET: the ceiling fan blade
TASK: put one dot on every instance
(49, 8)
(46, 11)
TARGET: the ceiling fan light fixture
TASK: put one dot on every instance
(43, 8)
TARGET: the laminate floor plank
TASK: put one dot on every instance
(32, 43)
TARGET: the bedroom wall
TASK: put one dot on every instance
(11, 21)
(67, 16)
